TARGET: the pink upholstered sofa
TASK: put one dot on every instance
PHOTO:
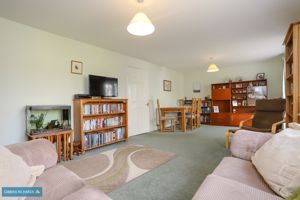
(57, 181)
(236, 178)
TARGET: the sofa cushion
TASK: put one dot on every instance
(58, 182)
(218, 188)
(14, 172)
(245, 143)
(278, 161)
(87, 193)
(36, 152)
(241, 171)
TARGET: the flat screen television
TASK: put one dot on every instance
(101, 86)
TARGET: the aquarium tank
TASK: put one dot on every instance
(47, 118)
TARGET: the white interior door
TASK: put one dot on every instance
(137, 94)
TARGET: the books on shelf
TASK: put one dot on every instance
(100, 122)
(205, 110)
(236, 103)
(206, 104)
(102, 108)
(206, 107)
(92, 140)
(92, 124)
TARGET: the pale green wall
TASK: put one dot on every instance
(272, 68)
(35, 70)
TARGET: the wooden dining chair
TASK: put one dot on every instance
(164, 119)
(198, 112)
(192, 116)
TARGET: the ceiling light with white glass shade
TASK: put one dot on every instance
(140, 24)
(212, 67)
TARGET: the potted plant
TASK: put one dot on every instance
(37, 120)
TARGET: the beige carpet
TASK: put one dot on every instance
(112, 169)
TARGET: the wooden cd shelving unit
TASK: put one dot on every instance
(100, 122)
(205, 111)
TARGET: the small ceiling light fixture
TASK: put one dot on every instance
(212, 67)
(140, 24)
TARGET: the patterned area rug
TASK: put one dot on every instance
(110, 170)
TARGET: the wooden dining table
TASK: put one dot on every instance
(180, 109)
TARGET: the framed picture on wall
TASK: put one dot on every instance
(167, 85)
(76, 67)
(196, 87)
(234, 103)
(260, 76)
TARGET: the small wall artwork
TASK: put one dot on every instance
(167, 85)
(76, 67)
(260, 76)
(196, 87)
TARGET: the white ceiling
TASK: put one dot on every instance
(187, 33)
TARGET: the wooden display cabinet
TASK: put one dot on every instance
(233, 102)
(99, 122)
(292, 72)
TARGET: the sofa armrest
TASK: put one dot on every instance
(245, 143)
(36, 152)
